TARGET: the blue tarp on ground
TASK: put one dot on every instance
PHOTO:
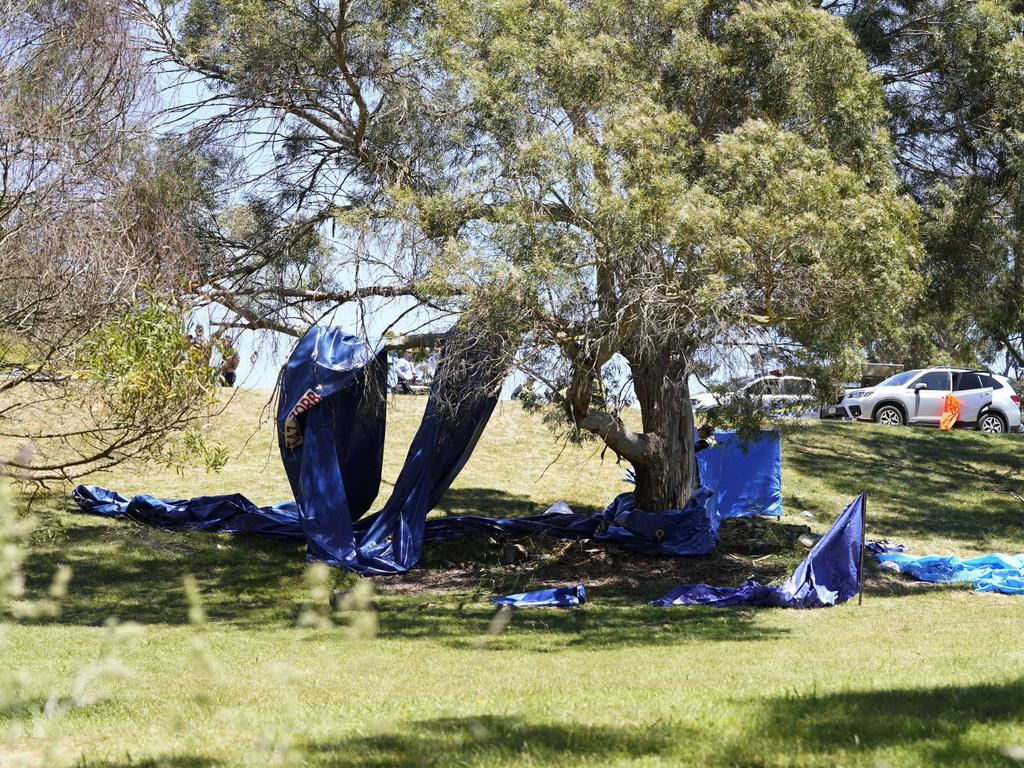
(231, 513)
(331, 422)
(746, 475)
(687, 531)
(988, 573)
(559, 596)
(830, 574)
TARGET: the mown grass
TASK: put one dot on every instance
(917, 675)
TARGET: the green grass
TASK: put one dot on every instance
(916, 676)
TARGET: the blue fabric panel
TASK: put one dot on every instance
(830, 573)
(455, 416)
(878, 547)
(745, 475)
(988, 573)
(333, 369)
(559, 596)
(337, 462)
(232, 513)
(692, 530)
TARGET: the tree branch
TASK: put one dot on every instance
(634, 446)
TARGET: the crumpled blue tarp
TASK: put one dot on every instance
(331, 421)
(830, 574)
(559, 596)
(881, 545)
(988, 573)
(746, 475)
(692, 530)
(236, 514)
(232, 513)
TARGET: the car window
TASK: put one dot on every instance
(899, 379)
(968, 380)
(991, 381)
(763, 387)
(798, 386)
(937, 381)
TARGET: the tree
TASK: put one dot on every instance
(954, 74)
(663, 183)
(91, 249)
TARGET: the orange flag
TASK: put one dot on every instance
(950, 412)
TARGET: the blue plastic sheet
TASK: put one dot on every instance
(332, 450)
(830, 574)
(745, 475)
(236, 514)
(881, 546)
(229, 513)
(331, 423)
(692, 530)
(988, 573)
(559, 596)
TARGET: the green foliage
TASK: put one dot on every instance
(954, 77)
(662, 179)
(143, 376)
(143, 366)
(728, 165)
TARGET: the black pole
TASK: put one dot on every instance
(863, 531)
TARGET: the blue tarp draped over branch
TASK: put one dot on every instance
(331, 422)
(830, 574)
(987, 573)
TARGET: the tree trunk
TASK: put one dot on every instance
(665, 478)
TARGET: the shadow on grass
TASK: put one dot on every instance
(20, 709)
(546, 629)
(492, 739)
(486, 502)
(926, 482)
(124, 569)
(931, 722)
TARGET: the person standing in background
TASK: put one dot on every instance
(406, 373)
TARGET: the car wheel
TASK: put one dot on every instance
(991, 423)
(890, 415)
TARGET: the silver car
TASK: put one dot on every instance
(987, 401)
(773, 392)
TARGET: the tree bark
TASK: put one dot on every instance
(665, 478)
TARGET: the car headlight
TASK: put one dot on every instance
(857, 394)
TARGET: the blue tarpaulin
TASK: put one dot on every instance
(559, 596)
(687, 531)
(988, 573)
(830, 574)
(331, 422)
(229, 513)
(745, 475)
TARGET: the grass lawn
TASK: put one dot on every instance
(917, 676)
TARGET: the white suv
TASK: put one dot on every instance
(987, 401)
(773, 392)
